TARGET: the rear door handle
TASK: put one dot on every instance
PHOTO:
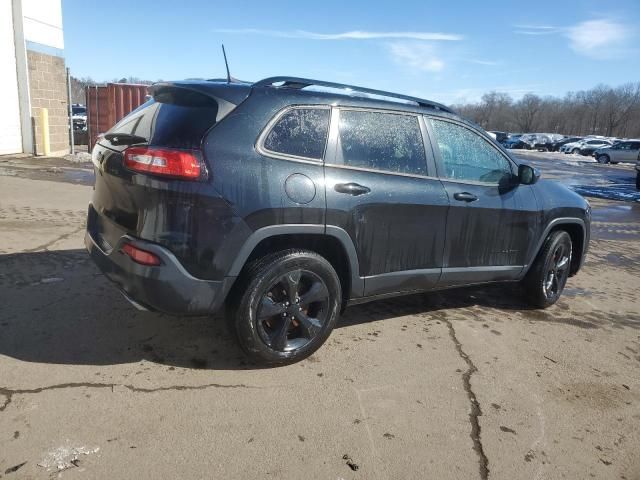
(351, 188)
(465, 197)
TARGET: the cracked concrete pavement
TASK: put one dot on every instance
(462, 384)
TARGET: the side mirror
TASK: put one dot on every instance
(527, 175)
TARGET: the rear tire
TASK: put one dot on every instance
(287, 304)
(547, 277)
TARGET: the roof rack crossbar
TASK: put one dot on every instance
(299, 83)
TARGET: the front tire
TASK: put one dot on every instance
(603, 159)
(547, 278)
(575, 151)
(288, 305)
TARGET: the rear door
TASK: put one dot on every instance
(490, 221)
(381, 189)
(627, 152)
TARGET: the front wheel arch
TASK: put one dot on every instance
(576, 229)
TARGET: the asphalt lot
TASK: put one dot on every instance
(462, 384)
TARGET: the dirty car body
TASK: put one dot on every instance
(211, 190)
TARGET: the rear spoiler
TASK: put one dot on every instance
(227, 95)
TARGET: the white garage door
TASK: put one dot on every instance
(10, 133)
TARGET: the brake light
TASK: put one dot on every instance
(184, 164)
(140, 256)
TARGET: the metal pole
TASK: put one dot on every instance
(71, 139)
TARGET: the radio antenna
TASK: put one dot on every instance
(226, 64)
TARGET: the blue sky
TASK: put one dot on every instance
(448, 51)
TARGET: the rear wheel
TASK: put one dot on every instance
(545, 281)
(288, 307)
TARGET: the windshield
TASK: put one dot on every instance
(79, 110)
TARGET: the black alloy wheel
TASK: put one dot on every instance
(286, 305)
(548, 276)
(293, 310)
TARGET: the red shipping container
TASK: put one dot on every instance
(107, 105)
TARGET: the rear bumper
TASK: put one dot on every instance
(166, 288)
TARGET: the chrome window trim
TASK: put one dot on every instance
(385, 172)
(262, 150)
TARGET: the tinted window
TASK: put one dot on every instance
(174, 125)
(381, 141)
(467, 156)
(301, 132)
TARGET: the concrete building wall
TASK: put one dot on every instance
(10, 126)
(48, 89)
(33, 76)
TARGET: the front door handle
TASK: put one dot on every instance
(465, 197)
(351, 188)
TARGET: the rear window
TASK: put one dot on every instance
(300, 132)
(173, 120)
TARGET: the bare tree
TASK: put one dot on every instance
(602, 110)
(525, 112)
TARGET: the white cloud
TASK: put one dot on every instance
(421, 56)
(352, 35)
(487, 63)
(598, 38)
(536, 29)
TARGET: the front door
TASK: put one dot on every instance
(490, 221)
(381, 189)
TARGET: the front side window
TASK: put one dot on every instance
(387, 142)
(300, 132)
(467, 156)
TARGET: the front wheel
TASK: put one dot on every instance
(575, 151)
(288, 306)
(545, 281)
(603, 159)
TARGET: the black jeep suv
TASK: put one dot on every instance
(288, 199)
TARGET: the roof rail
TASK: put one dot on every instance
(299, 83)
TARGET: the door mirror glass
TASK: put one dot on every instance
(527, 175)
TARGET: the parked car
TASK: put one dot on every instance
(500, 137)
(557, 144)
(286, 204)
(518, 142)
(512, 139)
(79, 117)
(585, 146)
(591, 146)
(638, 173)
(621, 151)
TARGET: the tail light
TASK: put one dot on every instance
(140, 256)
(183, 164)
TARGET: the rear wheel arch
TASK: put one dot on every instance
(335, 246)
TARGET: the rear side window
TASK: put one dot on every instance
(175, 119)
(467, 156)
(300, 132)
(381, 141)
